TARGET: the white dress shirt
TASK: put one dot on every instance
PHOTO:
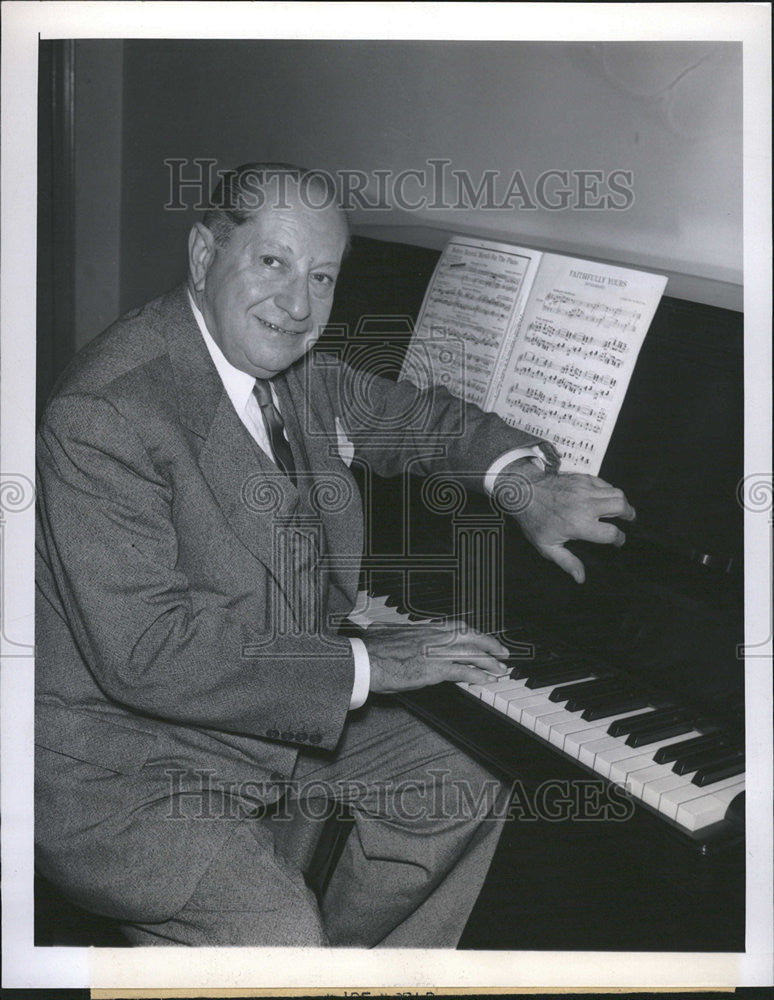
(239, 388)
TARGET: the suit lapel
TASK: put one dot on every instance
(249, 489)
(246, 485)
(252, 493)
(198, 385)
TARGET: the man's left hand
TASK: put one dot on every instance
(556, 508)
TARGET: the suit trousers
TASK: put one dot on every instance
(427, 821)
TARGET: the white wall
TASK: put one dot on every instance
(669, 112)
(534, 107)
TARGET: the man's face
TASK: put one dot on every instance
(266, 296)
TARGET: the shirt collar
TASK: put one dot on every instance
(238, 384)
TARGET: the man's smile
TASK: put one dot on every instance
(279, 329)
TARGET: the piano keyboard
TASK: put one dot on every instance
(681, 768)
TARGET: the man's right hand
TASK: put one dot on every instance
(416, 656)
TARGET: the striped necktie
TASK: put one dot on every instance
(275, 428)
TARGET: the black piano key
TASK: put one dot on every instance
(568, 692)
(663, 732)
(597, 691)
(723, 769)
(621, 727)
(553, 676)
(647, 721)
(522, 667)
(650, 720)
(705, 758)
(667, 754)
(614, 706)
(602, 698)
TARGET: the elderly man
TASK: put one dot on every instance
(188, 670)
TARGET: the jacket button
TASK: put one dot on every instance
(302, 737)
(288, 735)
(315, 738)
(273, 734)
(276, 776)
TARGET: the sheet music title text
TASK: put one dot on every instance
(598, 279)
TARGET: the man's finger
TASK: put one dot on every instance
(464, 633)
(565, 560)
(617, 507)
(481, 642)
(470, 654)
(470, 674)
(602, 484)
(605, 533)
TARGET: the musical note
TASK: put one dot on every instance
(559, 371)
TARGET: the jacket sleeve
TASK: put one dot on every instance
(107, 535)
(395, 426)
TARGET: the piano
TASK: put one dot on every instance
(669, 758)
(629, 686)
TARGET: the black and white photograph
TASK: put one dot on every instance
(386, 511)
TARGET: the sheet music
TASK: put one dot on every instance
(475, 297)
(569, 367)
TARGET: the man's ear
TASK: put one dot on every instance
(201, 253)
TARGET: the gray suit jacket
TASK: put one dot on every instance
(185, 651)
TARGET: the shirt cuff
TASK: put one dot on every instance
(494, 470)
(362, 674)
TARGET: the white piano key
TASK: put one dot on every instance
(574, 742)
(654, 789)
(478, 688)
(618, 761)
(546, 724)
(571, 725)
(360, 613)
(617, 765)
(575, 724)
(376, 605)
(517, 705)
(504, 696)
(519, 692)
(638, 773)
(613, 744)
(488, 692)
(671, 801)
(710, 808)
(553, 684)
(637, 780)
(531, 715)
(374, 611)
